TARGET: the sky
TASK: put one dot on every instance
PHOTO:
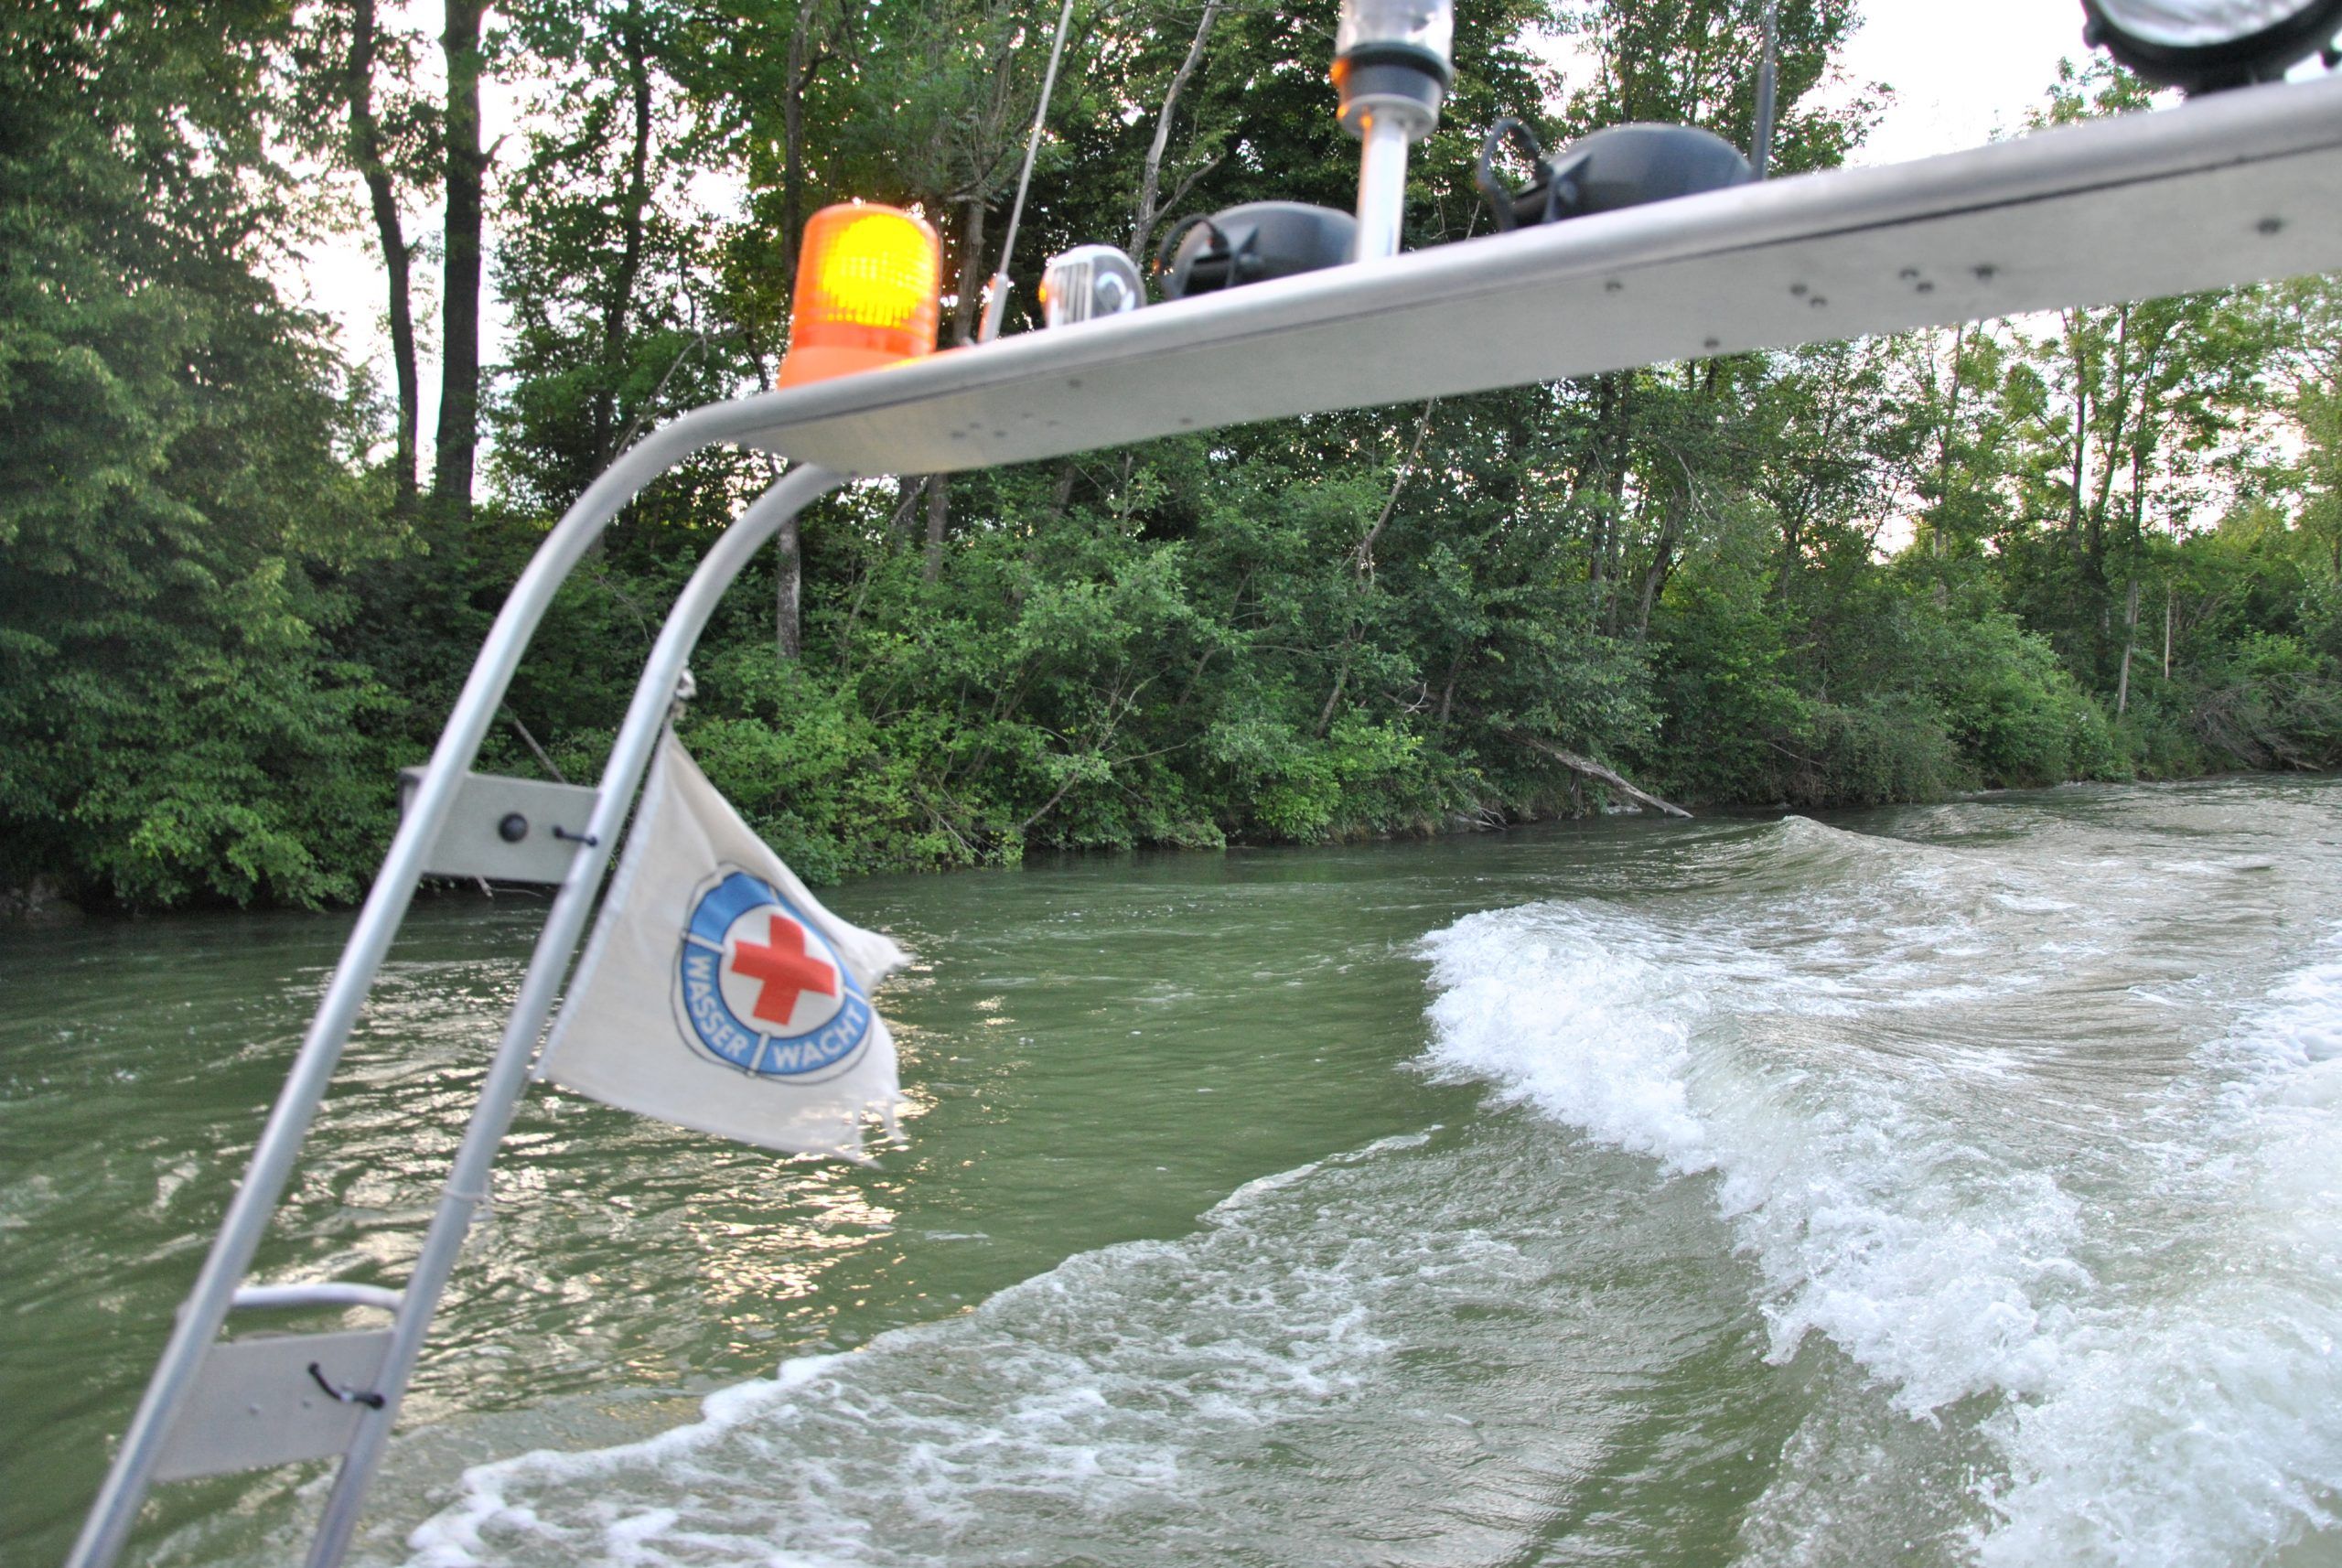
(1960, 73)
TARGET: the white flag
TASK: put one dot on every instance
(717, 993)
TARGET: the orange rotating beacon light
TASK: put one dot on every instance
(869, 286)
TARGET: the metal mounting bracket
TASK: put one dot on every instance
(257, 1403)
(510, 829)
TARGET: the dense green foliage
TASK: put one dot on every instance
(2103, 543)
(178, 487)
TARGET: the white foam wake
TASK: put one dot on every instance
(2201, 1421)
(1077, 1391)
(1210, 1399)
(2141, 1284)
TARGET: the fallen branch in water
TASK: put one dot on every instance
(1594, 770)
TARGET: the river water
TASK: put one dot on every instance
(1946, 1185)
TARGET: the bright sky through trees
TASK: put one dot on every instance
(1959, 75)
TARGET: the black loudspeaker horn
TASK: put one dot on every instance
(1251, 243)
(1625, 166)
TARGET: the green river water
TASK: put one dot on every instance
(1945, 1185)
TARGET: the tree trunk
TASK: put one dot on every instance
(1447, 692)
(1945, 433)
(1597, 552)
(909, 487)
(1662, 563)
(804, 62)
(1362, 558)
(2114, 436)
(1147, 214)
(972, 269)
(638, 204)
(789, 561)
(366, 153)
(938, 518)
(2130, 640)
(1334, 698)
(963, 329)
(458, 439)
(1593, 770)
(2081, 431)
(2167, 594)
(788, 586)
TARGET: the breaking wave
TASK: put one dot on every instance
(2121, 1268)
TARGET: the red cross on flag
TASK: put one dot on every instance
(783, 971)
(717, 993)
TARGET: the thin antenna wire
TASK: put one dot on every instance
(1761, 153)
(997, 305)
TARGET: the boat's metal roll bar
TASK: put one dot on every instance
(147, 1448)
(2220, 191)
(508, 1072)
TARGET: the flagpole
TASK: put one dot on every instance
(508, 1073)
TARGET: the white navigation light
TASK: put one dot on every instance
(1425, 24)
(1392, 68)
(1392, 60)
(1087, 281)
(2202, 46)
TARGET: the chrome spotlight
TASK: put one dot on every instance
(2203, 46)
(1087, 281)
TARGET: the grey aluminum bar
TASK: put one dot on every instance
(207, 1305)
(2129, 207)
(508, 1072)
(326, 1293)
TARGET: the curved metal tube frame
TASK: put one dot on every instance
(302, 1297)
(202, 1317)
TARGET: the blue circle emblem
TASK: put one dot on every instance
(761, 988)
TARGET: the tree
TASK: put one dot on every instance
(353, 105)
(455, 452)
(179, 491)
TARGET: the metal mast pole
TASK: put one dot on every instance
(997, 305)
(1382, 188)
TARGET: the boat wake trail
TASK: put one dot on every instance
(2068, 1204)
(1801, 1197)
(1374, 1359)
